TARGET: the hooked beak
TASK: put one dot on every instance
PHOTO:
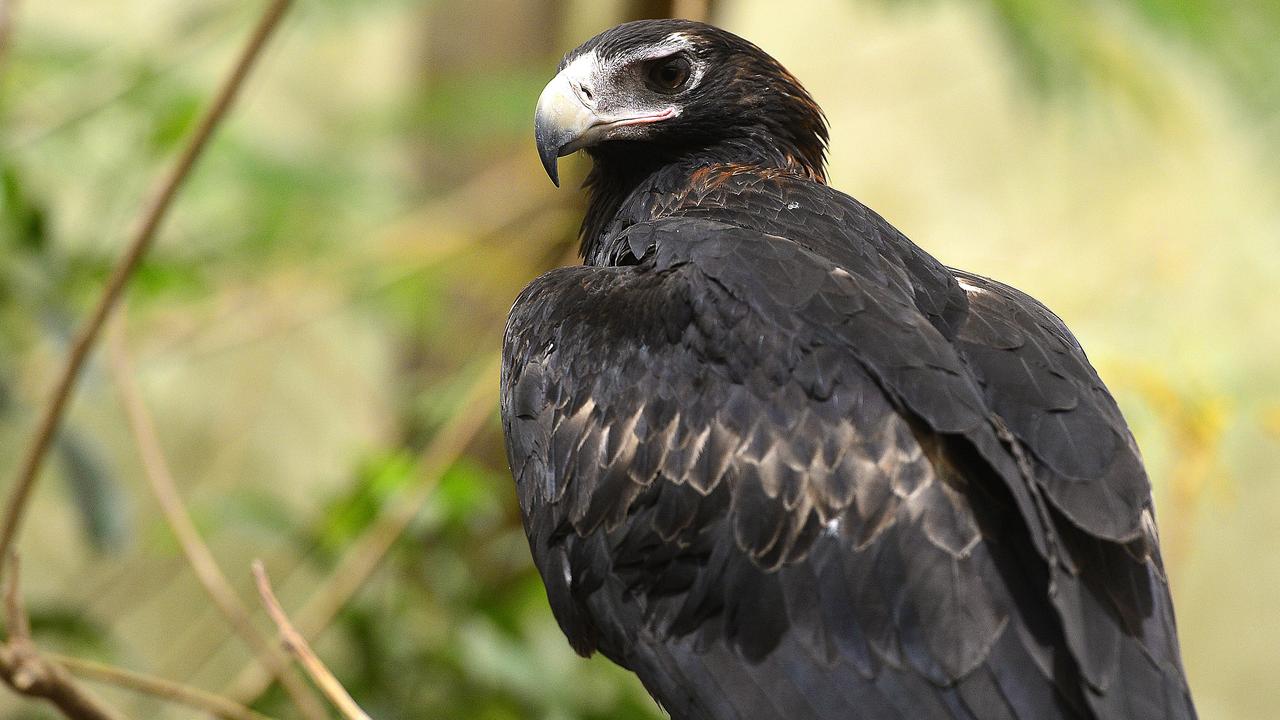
(565, 123)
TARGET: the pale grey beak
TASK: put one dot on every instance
(561, 122)
(565, 122)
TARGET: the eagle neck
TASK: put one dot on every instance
(628, 179)
(621, 176)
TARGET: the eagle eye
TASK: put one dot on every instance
(669, 74)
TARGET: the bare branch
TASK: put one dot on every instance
(297, 646)
(7, 12)
(28, 673)
(48, 675)
(152, 215)
(195, 698)
(211, 577)
(367, 552)
(16, 622)
(364, 555)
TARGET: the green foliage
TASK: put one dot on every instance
(378, 479)
(1064, 45)
(23, 223)
(470, 109)
(470, 630)
(68, 628)
(1238, 35)
(94, 489)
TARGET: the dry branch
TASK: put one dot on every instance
(141, 240)
(360, 561)
(297, 646)
(194, 698)
(7, 8)
(210, 575)
(28, 673)
(367, 552)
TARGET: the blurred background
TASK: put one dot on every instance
(317, 327)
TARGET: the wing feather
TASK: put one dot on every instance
(786, 478)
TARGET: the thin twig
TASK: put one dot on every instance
(152, 215)
(297, 646)
(7, 8)
(195, 698)
(367, 552)
(191, 47)
(165, 490)
(29, 673)
(199, 340)
(16, 622)
(364, 555)
(363, 558)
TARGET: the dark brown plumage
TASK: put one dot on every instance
(780, 462)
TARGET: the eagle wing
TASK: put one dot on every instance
(1109, 586)
(773, 486)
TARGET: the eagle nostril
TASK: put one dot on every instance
(586, 91)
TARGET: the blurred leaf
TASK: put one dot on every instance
(475, 108)
(377, 479)
(1066, 44)
(1193, 17)
(23, 221)
(177, 116)
(1271, 421)
(1238, 36)
(259, 509)
(69, 627)
(163, 276)
(94, 489)
(500, 660)
(465, 493)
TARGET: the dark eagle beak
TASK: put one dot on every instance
(566, 122)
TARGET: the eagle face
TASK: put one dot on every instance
(670, 87)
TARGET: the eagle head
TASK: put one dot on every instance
(660, 89)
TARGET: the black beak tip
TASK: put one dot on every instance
(548, 152)
(550, 165)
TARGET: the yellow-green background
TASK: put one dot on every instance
(327, 297)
